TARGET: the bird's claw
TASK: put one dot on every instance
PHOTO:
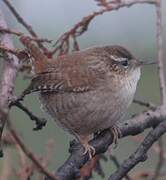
(90, 150)
(116, 135)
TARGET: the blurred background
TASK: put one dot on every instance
(134, 28)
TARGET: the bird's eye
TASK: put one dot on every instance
(125, 63)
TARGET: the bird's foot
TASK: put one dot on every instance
(89, 149)
(116, 135)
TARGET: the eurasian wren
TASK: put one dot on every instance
(85, 91)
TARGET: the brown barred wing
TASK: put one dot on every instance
(46, 83)
(72, 73)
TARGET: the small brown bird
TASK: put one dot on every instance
(86, 91)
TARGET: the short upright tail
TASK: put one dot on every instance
(39, 60)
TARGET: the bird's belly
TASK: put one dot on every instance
(85, 113)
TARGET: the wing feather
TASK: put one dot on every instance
(71, 73)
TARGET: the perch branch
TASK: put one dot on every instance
(140, 154)
(136, 125)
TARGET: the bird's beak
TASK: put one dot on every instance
(142, 63)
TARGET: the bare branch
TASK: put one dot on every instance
(8, 140)
(161, 160)
(117, 164)
(29, 154)
(140, 154)
(62, 44)
(160, 60)
(6, 169)
(137, 124)
(146, 104)
(17, 33)
(40, 123)
(145, 174)
(21, 54)
(160, 51)
(9, 31)
(101, 143)
(25, 24)
(8, 76)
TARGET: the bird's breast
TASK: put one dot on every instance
(91, 111)
(125, 87)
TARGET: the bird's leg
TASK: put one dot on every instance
(88, 148)
(116, 135)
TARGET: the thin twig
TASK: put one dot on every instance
(25, 24)
(76, 45)
(161, 160)
(146, 104)
(117, 164)
(146, 174)
(40, 123)
(62, 44)
(8, 140)
(159, 36)
(17, 33)
(25, 170)
(29, 154)
(160, 60)
(6, 167)
(21, 54)
(9, 31)
(155, 148)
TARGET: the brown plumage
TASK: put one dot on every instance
(86, 91)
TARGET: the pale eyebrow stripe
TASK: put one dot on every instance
(120, 59)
